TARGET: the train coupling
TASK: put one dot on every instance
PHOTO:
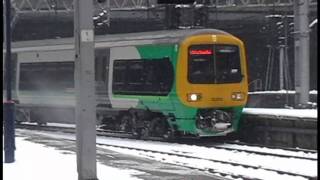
(214, 120)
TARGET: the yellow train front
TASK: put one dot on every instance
(211, 84)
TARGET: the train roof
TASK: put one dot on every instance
(113, 40)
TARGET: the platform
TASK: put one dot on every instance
(117, 165)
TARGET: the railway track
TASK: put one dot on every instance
(228, 145)
(189, 152)
(212, 170)
(270, 150)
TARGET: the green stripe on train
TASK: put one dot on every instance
(185, 116)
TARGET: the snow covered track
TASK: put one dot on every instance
(209, 143)
(273, 151)
(183, 159)
(225, 160)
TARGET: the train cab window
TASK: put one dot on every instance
(47, 76)
(201, 64)
(143, 77)
(227, 64)
(214, 64)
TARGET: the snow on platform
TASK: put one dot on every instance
(42, 155)
(37, 162)
(304, 167)
(283, 91)
(298, 113)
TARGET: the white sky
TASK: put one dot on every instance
(36, 162)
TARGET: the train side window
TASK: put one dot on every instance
(119, 78)
(135, 69)
(47, 76)
(143, 77)
(228, 64)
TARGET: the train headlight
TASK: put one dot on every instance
(194, 97)
(237, 96)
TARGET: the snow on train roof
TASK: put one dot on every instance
(110, 40)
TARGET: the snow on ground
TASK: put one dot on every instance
(305, 167)
(300, 113)
(37, 162)
(62, 125)
(271, 151)
(283, 91)
(203, 164)
(279, 163)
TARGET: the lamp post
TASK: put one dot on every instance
(302, 55)
(8, 104)
(85, 92)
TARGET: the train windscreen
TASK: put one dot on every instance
(214, 64)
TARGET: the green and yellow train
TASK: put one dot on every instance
(163, 83)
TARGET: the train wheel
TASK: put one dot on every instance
(37, 118)
(126, 123)
(137, 133)
(20, 117)
(159, 127)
